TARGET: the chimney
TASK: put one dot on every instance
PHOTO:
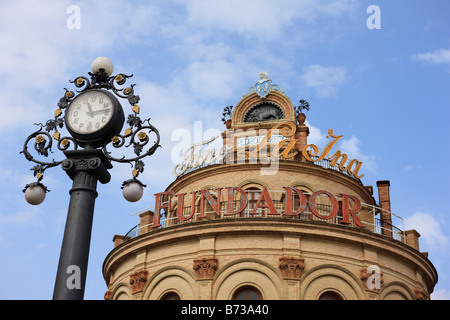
(385, 204)
(302, 138)
(412, 239)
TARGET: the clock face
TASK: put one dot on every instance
(89, 112)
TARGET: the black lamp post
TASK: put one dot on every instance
(94, 119)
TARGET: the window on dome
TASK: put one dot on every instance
(247, 293)
(306, 214)
(330, 295)
(264, 111)
(253, 195)
(170, 296)
(209, 210)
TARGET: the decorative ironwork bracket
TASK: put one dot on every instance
(137, 134)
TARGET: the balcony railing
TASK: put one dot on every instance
(324, 163)
(367, 216)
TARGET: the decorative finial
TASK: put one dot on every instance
(102, 63)
(263, 76)
(263, 86)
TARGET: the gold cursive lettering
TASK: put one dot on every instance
(307, 153)
(288, 132)
(311, 153)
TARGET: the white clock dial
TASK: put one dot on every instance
(89, 112)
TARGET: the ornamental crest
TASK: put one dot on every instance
(263, 86)
(292, 268)
(205, 268)
(138, 280)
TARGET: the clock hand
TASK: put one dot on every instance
(90, 110)
(84, 123)
(100, 111)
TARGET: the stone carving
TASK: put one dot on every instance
(371, 280)
(138, 280)
(421, 294)
(108, 294)
(263, 86)
(291, 268)
(264, 111)
(205, 268)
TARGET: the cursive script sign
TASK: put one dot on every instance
(352, 167)
(194, 158)
(283, 146)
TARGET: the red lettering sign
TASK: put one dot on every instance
(159, 205)
(334, 204)
(288, 203)
(346, 212)
(236, 194)
(230, 201)
(268, 203)
(215, 204)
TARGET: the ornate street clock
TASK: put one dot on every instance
(263, 112)
(94, 117)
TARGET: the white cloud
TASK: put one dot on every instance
(352, 148)
(31, 215)
(325, 80)
(428, 227)
(38, 50)
(316, 136)
(408, 168)
(262, 18)
(440, 294)
(29, 59)
(411, 167)
(210, 79)
(440, 56)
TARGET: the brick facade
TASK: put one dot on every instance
(280, 257)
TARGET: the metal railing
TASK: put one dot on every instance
(324, 163)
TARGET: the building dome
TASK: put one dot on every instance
(269, 216)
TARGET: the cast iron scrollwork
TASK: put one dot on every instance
(43, 140)
(137, 135)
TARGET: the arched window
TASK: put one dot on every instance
(172, 214)
(247, 293)
(306, 214)
(170, 296)
(253, 195)
(209, 210)
(330, 295)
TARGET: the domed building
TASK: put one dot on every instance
(269, 217)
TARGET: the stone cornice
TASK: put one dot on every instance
(312, 229)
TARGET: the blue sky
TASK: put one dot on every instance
(386, 90)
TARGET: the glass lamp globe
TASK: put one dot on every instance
(133, 191)
(102, 63)
(35, 194)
